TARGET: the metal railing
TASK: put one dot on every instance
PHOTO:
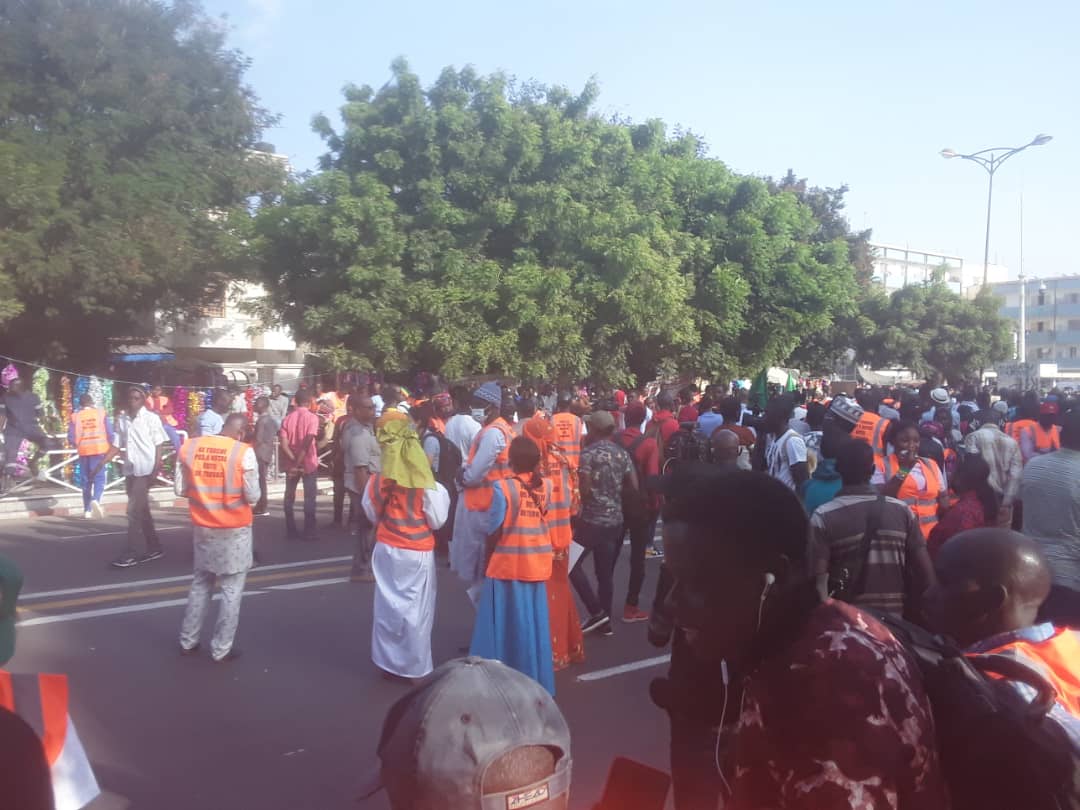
(58, 460)
(53, 466)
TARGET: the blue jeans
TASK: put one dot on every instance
(92, 490)
(310, 483)
(602, 542)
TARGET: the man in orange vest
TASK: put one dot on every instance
(512, 620)
(406, 505)
(90, 433)
(871, 428)
(488, 462)
(991, 586)
(42, 702)
(219, 475)
(569, 429)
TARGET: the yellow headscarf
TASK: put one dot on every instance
(403, 459)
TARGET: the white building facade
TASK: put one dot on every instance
(897, 266)
(1053, 320)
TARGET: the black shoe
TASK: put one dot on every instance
(261, 513)
(124, 562)
(190, 650)
(597, 622)
(607, 629)
(150, 556)
(231, 655)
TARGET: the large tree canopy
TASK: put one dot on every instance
(125, 130)
(478, 226)
(935, 332)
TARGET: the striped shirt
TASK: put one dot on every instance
(1050, 490)
(1002, 453)
(836, 533)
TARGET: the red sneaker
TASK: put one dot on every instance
(632, 614)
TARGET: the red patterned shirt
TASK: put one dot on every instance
(839, 722)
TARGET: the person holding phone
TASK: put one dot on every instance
(915, 480)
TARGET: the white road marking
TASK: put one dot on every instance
(108, 534)
(622, 669)
(113, 586)
(314, 583)
(90, 614)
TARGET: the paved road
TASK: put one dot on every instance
(293, 723)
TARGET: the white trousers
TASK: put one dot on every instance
(202, 588)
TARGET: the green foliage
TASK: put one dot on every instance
(480, 226)
(124, 170)
(934, 331)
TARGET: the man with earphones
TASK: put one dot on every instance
(827, 708)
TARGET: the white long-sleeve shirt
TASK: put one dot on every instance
(436, 505)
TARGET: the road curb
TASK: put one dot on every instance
(69, 504)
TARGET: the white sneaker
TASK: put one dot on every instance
(96, 510)
(88, 514)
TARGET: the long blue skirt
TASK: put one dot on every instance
(512, 627)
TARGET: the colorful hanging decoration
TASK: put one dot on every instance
(180, 407)
(249, 399)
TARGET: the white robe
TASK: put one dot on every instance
(470, 528)
(405, 588)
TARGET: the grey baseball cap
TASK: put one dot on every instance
(438, 741)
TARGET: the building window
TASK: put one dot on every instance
(1072, 352)
(213, 305)
(1074, 325)
(1040, 326)
(1074, 298)
(1042, 353)
(1041, 301)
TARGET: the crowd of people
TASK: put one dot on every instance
(806, 545)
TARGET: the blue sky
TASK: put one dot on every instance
(860, 93)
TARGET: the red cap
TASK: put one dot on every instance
(1050, 407)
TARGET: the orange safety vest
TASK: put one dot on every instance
(568, 431)
(401, 521)
(871, 429)
(924, 503)
(91, 438)
(478, 497)
(524, 552)
(158, 406)
(1016, 428)
(214, 479)
(42, 701)
(560, 506)
(1057, 659)
(1046, 441)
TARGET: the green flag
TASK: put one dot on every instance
(791, 384)
(759, 390)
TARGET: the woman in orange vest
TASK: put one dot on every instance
(487, 463)
(512, 623)
(567, 642)
(905, 475)
(569, 429)
(91, 434)
(406, 505)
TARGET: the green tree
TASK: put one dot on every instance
(125, 169)
(933, 331)
(481, 226)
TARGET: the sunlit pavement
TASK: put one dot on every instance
(294, 722)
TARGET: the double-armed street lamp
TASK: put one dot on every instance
(991, 160)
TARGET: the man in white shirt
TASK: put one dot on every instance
(213, 418)
(141, 435)
(462, 427)
(785, 449)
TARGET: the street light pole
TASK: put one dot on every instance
(991, 160)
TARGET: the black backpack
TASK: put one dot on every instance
(685, 445)
(998, 751)
(450, 460)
